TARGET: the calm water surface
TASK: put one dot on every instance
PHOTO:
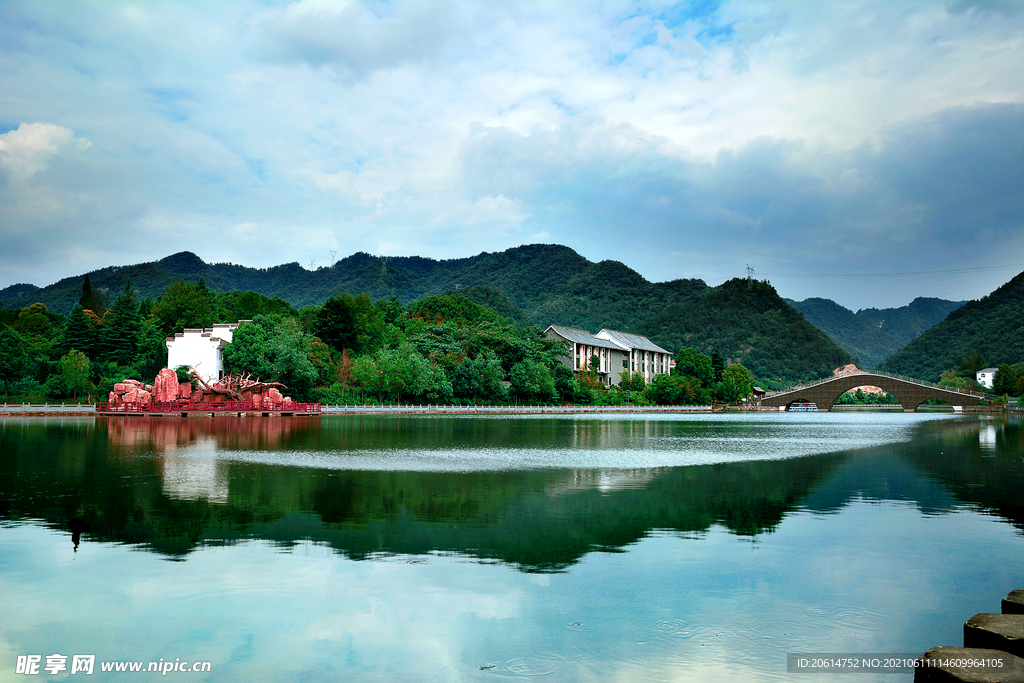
(574, 548)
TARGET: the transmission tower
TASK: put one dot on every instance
(750, 275)
(383, 265)
(333, 252)
(312, 264)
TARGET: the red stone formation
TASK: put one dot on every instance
(166, 388)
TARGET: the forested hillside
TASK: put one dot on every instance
(992, 326)
(745, 322)
(872, 334)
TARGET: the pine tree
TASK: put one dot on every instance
(92, 300)
(119, 338)
(79, 333)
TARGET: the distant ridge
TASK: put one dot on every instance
(992, 326)
(746, 322)
(873, 334)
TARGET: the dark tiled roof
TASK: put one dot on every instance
(583, 337)
(634, 341)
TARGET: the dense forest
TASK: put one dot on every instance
(989, 330)
(745, 321)
(439, 349)
(871, 334)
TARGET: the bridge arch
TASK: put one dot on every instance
(910, 393)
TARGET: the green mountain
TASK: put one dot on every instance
(992, 326)
(873, 334)
(747, 322)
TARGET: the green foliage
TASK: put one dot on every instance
(532, 382)
(119, 335)
(74, 373)
(872, 334)
(273, 349)
(550, 283)
(37, 322)
(455, 308)
(692, 363)
(184, 374)
(14, 360)
(851, 398)
(184, 305)
(1009, 380)
(234, 306)
(632, 381)
(80, 332)
(91, 300)
(953, 380)
(676, 390)
(495, 301)
(350, 322)
(970, 366)
(335, 323)
(737, 383)
(991, 327)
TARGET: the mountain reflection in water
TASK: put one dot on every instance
(174, 485)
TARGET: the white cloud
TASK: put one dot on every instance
(29, 149)
(447, 128)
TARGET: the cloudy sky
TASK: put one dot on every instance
(865, 152)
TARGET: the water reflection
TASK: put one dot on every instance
(172, 485)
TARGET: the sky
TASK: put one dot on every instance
(866, 152)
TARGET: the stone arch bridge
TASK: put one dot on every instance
(911, 393)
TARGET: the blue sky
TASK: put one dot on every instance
(865, 152)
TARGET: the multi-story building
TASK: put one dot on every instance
(617, 352)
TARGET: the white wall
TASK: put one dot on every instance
(202, 349)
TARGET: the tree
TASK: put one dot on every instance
(92, 300)
(1009, 380)
(80, 332)
(184, 305)
(74, 373)
(350, 322)
(13, 357)
(717, 366)
(36, 321)
(675, 390)
(466, 380)
(273, 349)
(969, 366)
(119, 336)
(632, 381)
(737, 382)
(335, 323)
(692, 363)
(531, 381)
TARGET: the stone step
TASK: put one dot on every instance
(1013, 603)
(951, 665)
(997, 632)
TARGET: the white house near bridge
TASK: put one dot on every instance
(202, 349)
(986, 377)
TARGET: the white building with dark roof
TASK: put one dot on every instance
(617, 352)
(986, 377)
(645, 356)
(202, 349)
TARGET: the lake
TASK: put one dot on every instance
(437, 548)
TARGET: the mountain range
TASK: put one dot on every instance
(992, 326)
(747, 321)
(873, 334)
